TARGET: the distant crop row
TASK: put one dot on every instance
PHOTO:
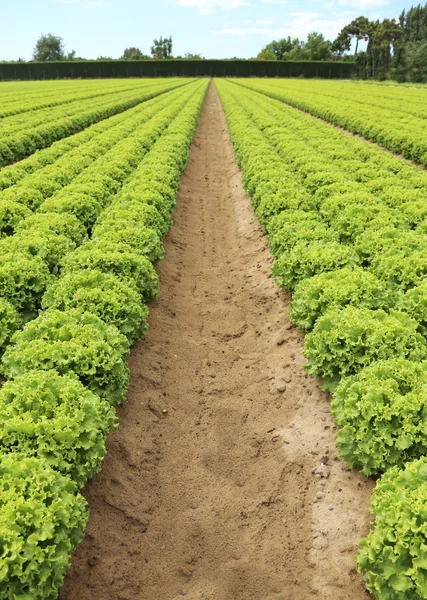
(52, 95)
(85, 258)
(24, 133)
(395, 118)
(347, 226)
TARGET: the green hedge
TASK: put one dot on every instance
(174, 68)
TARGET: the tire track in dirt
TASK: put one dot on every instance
(222, 481)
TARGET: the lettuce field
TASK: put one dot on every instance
(92, 176)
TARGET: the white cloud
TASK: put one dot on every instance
(300, 24)
(85, 3)
(273, 1)
(265, 21)
(243, 31)
(363, 4)
(207, 7)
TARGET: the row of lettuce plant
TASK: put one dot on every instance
(66, 149)
(42, 189)
(346, 226)
(29, 257)
(16, 123)
(55, 95)
(67, 368)
(400, 131)
(20, 137)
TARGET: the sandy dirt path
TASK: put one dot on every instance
(222, 482)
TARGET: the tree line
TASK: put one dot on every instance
(51, 47)
(395, 48)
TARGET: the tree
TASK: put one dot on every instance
(132, 53)
(358, 28)
(49, 47)
(278, 49)
(266, 54)
(191, 56)
(316, 47)
(162, 48)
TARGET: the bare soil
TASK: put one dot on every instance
(222, 482)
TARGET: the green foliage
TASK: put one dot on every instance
(334, 289)
(382, 413)
(158, 195)
(358, 29)
(30, 197)
(292, 217)
(271, 204)
(49, 247)
(266, 54)
(162, 48)
(117, 302)
(373, 243)
(11, 214)
(124, 213)
(344, 341)
(403, 268)
(354, 219)
(23, 280)
(139, 238)
(56, 418)
(67, 367)
(72, 341)
(85, 208)
(291, 234)
(315, 48)
(41, 522)
(49, 47)
(414, 302)
(132, 53)
(10, 321)
(118, 259)
(57, 223)
(393, 555)
(306, 260)
(358, 341)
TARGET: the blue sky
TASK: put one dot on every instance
(214, 28)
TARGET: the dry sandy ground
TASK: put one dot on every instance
(222, 482)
